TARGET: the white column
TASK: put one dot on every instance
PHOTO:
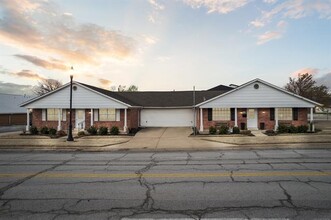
(276, 119)
(27, 119)
(235, 117)
(59, 113)
(125, 120)
(92, 113)
(201, 119)
(312, 120)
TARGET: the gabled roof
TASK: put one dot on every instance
(160, 99)
(263, 82)
(11, 103)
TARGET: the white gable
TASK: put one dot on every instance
(265, 96)
(81, 98)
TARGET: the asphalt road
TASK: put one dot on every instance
(287, 183)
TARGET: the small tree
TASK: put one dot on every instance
(305, 86)
(46, 85)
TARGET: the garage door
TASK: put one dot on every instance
(166, 118)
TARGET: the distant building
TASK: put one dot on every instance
(10, 111)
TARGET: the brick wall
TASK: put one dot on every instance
(133, 118)
(302, 118)
(37, 120)
(263, 115)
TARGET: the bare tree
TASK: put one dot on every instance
(46, 85)
(305, 86)
(132, 88)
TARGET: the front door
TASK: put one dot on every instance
(80, 119)
(252, 119)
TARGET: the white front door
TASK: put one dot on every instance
(80, 119)
(252, 119)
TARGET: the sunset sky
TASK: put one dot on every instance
(163, 44)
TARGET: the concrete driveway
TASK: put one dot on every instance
(168, 139)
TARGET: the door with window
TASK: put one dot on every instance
(80, 119)
(252, 119)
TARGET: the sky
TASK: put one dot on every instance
(162, 44)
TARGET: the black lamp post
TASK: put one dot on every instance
(70, 138)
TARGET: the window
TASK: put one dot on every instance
(284, 113)
(272, 114)
(107, 114)
(295, 114)
(52, 114)
(221, 114)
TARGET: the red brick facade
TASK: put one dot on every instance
(39, 123)
(263, 119)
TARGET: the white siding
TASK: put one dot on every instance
(81, 98)
(263, 97)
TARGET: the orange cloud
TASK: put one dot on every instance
(50, 65)
(24, 74)
(39, 26)
(311, 71)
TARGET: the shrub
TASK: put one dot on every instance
(114, 130)
(282, 128)
(92, 130)
(103, 130)
(270, 132)
(52, 131)
(33, 130)
(224, 129)
(212, 130)
(246, 132)
(81, 133)
(302, 129)
(44, 130)
(61, 133)
(235, 130)
(292, 129)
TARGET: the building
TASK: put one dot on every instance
(254, 105)
(10, 111)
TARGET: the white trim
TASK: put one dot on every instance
(92, 114)
(59, 114)
(276, 119)
(263, 82)
(312, 119)
(235, 117)
(201, 119)
(125, 119)
(27, 120)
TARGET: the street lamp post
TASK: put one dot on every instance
(70, 138)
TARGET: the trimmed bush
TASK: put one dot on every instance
(224, 129)
(235, 130)
(92, 130)
(103, 130)
(33, 130)
(44, 130)
(270, 132)
(292, 129)
(114, 130)
(246, 132)
(81, 133)
(282, 128)
(302, 129)
(212, 130)
(52, 131)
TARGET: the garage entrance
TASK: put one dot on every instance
(166, 118)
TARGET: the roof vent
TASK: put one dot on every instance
(233, 86)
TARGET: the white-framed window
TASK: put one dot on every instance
(52, 114)
(221, 114)
(107, 114)
(284, 113)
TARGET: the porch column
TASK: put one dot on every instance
(312, 120)
(92, 113)
(27, 120)
(235, 117)
(201, 119)
(276, 119)
(59, 112)
(125, 120)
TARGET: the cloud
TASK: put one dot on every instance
(309, 70)
(268, 36)
(50, 65)
(156, 8)
(325, 80)
(104, 82)
(162, 59)
(150, 39)
(218, 6)
(270, 1)
(16, 89)
(23, 74)
(257, 23)
(40, 26)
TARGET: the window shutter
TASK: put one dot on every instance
(96, 115)
(295, 114)
(210, 114)
(43, 114)
(118, 115)
(272, 114)
(232, 114)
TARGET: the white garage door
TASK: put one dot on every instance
(166, 118)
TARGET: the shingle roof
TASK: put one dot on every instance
(161, 99)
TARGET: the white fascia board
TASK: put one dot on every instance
(181, 107)
(266, 83)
